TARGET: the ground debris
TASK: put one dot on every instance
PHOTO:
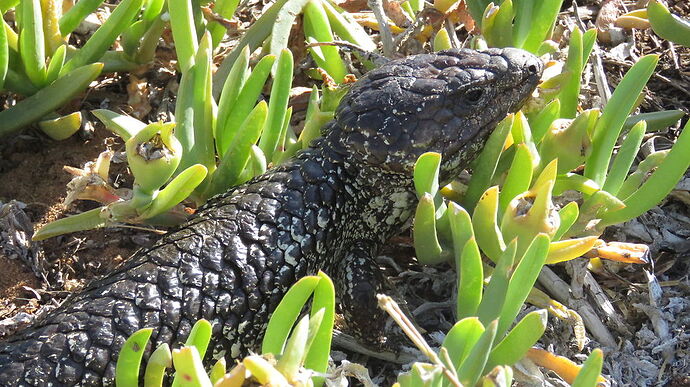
(16, 230)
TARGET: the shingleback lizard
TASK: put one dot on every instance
(329, 208)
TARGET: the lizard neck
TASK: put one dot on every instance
(375, 203)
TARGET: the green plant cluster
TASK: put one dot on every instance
(508, 211)
(215, 145)
(37, 62)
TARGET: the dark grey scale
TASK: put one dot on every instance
(192, 304)
(312, 200)
(97, 359)
(294, 203)
(429, 114)
(238, 302)
(386, 97)
(330, 209)
(428, 135)
(148, 297)
(168, 283)
(257, 258)
(426, 86)
(266, 284)
(249, 226)
(297, 230)
(170, 312)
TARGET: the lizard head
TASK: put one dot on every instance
(447, 102)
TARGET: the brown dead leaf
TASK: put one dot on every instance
(608, 13)
(395, 12)
(352, 5)
(138, 92)
(299, 98)
(230, 25)
(296, 40)
(607, 32)
(462, 15)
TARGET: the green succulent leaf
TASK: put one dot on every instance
(189, 370)
(485, 165)
(611, 122)
(497, 25)
(243, 105)
(470, 280)
(461, 338)
(32, 41)
(522, 280)
(277, 105)
(347, 28)
(264, 372)
(48, 99)
(427, 246)
(442, 40)
(318, 29)
(4, 55)
(105, 35)
(295, 350)
(590, 371)
(56, 63)
(625, 158)
(484, 220)
(422, 374)
(184, 32)
(237, 154)
(224, 8)
(496, 293)
(252, 38)
(286, 314)
(568, 214)
(470, 370)
(426, 171)
(79, 11)
(655, 120)
(85, 221)
(520, 339)
(534, 23)
(121, 124)
(541, 122)
(519, 176)
(217, 371)
(129, 359)
(153, 155)
(160, 360)
(283, 24)
(320, 347)
(176, 191)
(659, 184)
(667, 25)
(61, 128)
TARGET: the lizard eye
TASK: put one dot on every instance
(473, 96)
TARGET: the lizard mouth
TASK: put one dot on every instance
(528, 84)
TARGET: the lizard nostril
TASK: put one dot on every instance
(532, 69)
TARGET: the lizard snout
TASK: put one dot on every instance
(524, 63)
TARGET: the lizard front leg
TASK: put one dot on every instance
(358, 280)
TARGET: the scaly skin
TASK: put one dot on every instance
(330, 208)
